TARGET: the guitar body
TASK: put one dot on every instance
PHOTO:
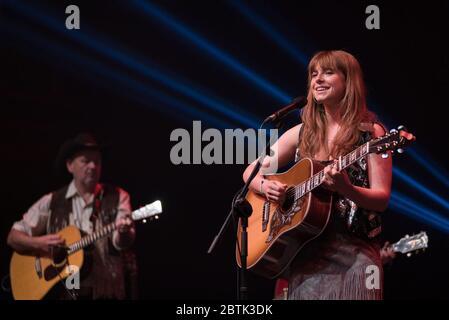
(287, 228)
(26, 284)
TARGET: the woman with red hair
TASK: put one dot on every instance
(338, 264)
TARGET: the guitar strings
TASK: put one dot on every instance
(293, 190)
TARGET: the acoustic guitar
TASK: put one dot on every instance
(32, 277)
(276, 233)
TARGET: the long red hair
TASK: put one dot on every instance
(353, 107)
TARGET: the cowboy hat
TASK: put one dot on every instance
(81, 142)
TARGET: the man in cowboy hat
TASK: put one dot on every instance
(88, 205)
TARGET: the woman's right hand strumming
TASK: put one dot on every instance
(274, 191)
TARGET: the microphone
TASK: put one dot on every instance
(297, 103)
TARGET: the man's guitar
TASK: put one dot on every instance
(407, 245)
(277, 233)
(32, 276)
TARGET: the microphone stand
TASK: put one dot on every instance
(242, 209)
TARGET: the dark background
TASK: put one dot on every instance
(49, 92)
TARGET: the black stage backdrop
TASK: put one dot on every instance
(132, 76)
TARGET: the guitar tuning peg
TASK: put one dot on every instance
(384, 155)
(401, 127)
(400, 150)
(393, 131)
(144, 220)
(409, 255)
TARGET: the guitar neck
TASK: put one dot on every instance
(91, 238)
(149, 211)
(343, 162)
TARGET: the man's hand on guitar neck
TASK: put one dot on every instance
(125, 234)
(124, 224)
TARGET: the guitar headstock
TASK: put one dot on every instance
(409, 244)
(395, 140)
(152, 211)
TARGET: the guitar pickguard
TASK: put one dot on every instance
(281, 218)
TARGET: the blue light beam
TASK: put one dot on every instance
(140, 92)
(212, 50)
(407, 206)
(277, 37)
(111, 51)
(424, 190)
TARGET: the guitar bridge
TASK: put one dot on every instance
(265, 215)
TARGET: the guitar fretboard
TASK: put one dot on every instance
(91, 238)
(149, 211)
(343, 162)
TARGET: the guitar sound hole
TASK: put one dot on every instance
(288, 202)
